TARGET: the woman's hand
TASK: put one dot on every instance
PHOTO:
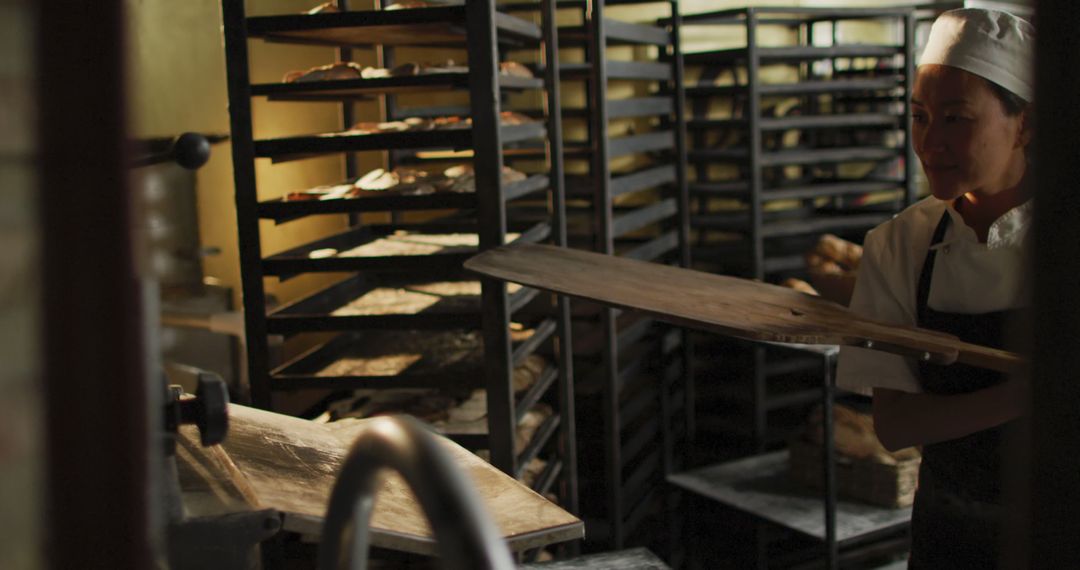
(903, 419)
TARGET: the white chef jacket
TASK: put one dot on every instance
(969, 277)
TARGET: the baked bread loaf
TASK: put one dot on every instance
(515, 69)
(821, 264)
(832, 266)
(854, 436)
(515, 118)
(528, 372)
(842, 252)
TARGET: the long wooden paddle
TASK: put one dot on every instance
(726, 305)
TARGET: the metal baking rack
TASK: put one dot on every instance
(789, 139)
(788, 142)
(759, 485)
(845, 113)
(627, 197)
(462, 339)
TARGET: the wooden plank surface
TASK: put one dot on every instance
(274, 461)
(726, 305)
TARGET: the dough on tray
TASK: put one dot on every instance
(325, 8)
(332, 72)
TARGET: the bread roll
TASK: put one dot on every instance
(530, 423)
(405, 70)
(844, 253)
(799, 285)
(328, 7)
(409, 5)
(515, 69)
(821, 264)
(528, 372)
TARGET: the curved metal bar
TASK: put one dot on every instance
(466, 536)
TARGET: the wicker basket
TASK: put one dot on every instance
(858, 479)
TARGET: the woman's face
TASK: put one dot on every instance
(962, 135)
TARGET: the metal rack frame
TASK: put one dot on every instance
(631, 498)
(838, 524)
(481, 30)
(754, 155)
(758, 149)
(615, 350)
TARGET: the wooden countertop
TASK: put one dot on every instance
(274, 461)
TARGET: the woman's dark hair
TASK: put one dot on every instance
(1013, 103)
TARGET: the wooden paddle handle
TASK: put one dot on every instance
(993, 359)
(936, 355)
(961, 352)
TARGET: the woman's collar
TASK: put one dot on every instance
(1012, 226)
(1008, 230)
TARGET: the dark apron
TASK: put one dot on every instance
(957, 512)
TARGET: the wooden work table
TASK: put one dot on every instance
(272, 461)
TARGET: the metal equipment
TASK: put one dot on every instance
(467, 537)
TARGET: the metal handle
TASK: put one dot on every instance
(466, 536)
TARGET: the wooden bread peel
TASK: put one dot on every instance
(725, 305)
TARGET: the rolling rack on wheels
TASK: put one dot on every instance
(405, 315)
(799, 129)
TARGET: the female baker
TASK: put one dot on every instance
(955, 262)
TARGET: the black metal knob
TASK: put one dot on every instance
(208, 410)
(191, 150)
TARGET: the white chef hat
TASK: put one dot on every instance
(993, 45)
